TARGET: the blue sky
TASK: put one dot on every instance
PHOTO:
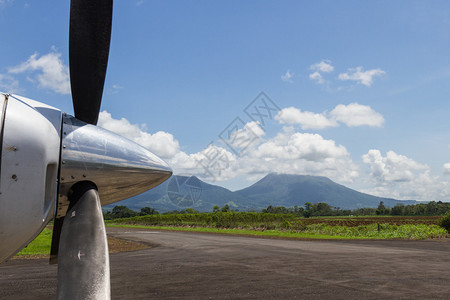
(362, 87)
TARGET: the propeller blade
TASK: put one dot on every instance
(89, 39)
(83, 263)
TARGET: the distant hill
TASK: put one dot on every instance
(180, 192)
(290, 190)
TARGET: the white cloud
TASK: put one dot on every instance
(250, 131)
(288, 152)
(8, 84)
(324, 66)
(363, 77)
(298, 153)
(306, 119)
(447, 168)
(161, 143)
(140, 2)
(296, 145)
(287, 77)
(352, 115)
(48, 70)
(393, 167)
(356, 114)
(400, 177)
(317, 77)
(116, 88)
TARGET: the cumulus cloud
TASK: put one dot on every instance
(287, 77)
(356, 114)
(306, 119)
(322, 67)
(447, 168)
(48, 71)
(306, 146)
(352, 115)
(288, 152)
(364, 77)
(250, 132)
(401, 177)
(317, 77)
(161, 143)
(298, 153)
(393, 167)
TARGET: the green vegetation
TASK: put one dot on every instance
(374, 227)
(120, 211)
(40, 245)
(418, 221)
(319, 209)
(445, 222)
(323, 209)
(381, 231)
(323, 231)
(219, 219)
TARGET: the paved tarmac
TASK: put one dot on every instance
(206, 266)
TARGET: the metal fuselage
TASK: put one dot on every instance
(44, 153)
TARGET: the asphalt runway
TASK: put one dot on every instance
(206, 266)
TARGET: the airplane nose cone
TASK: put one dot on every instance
(119, 168)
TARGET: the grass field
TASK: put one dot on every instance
(267, 221)
(40, 245)
(376, 227)
(321, 231)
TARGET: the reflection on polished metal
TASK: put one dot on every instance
(119, 167)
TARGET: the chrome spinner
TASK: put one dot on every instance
(119, 168)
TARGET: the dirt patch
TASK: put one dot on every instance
(116, 245)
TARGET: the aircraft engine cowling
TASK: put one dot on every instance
(30, 148)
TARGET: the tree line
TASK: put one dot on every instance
(323, 209)
(121, 211)
(308, 210)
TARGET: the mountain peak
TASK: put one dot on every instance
(281, 176)
(293, 189)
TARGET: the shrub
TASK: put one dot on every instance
(286, 224)
(445, 221)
